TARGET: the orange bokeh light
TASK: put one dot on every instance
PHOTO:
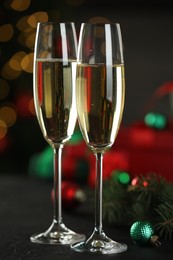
(20, 5)
(8, 115)
(6, 32)
(37, 17)
(27, 63)
(3, 129)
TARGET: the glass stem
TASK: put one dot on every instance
(57, 184)
(98, 193)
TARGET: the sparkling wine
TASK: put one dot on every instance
(100, 101)
(55, 99)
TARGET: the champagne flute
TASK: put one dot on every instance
(54, 99)
(100, 92)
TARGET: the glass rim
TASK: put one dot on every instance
(54, 22)
(101, 23)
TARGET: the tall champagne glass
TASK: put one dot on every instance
(100, 91)
(54, 99)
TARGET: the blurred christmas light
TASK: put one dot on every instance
(27, 63)
(6, 32)
(19, 5)
(23, 25)
(4, 89)
(135, 181)
(155, 120)
(15, 61)
(8, 115)
(30, 41)
(3, 129)
(32, 107)
(8, 72)
(72, 195)
(122, 177)
(145, 183)
(37, 17)
(24, 105)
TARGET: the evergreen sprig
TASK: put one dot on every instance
(151, 199)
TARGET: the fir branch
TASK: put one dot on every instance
(114, 202)
(165, 225)
(166, 194)
(150, 199)
(148, 188)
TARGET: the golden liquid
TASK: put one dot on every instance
(54, 99)
(100, 93)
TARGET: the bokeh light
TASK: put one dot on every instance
(22, 24)
(8, 115)
(20, 5)
(6, 32)
(27, 39)
(16, 59)
(9, 73)
(37, 17)
(27, 63)
(25, 105)
(30, 41)
(3, 129)
(32, 107)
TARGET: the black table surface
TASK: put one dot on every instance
(26, 208)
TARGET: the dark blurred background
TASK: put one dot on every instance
(147, 30)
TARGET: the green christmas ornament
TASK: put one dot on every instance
(155, 120)
(142, 233)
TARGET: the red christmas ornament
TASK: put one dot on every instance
(72, 195)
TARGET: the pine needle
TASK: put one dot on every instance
(150, 199)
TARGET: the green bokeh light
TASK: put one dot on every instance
(155, 120)
(121, 176)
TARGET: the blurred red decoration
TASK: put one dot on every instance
(164, 89)
(148, 150)
(72, 195)
(160, 92)
(75, 164)
(23, 105)
(4, 144)
(112, 160)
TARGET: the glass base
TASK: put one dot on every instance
(57, 235)
(99, 244)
